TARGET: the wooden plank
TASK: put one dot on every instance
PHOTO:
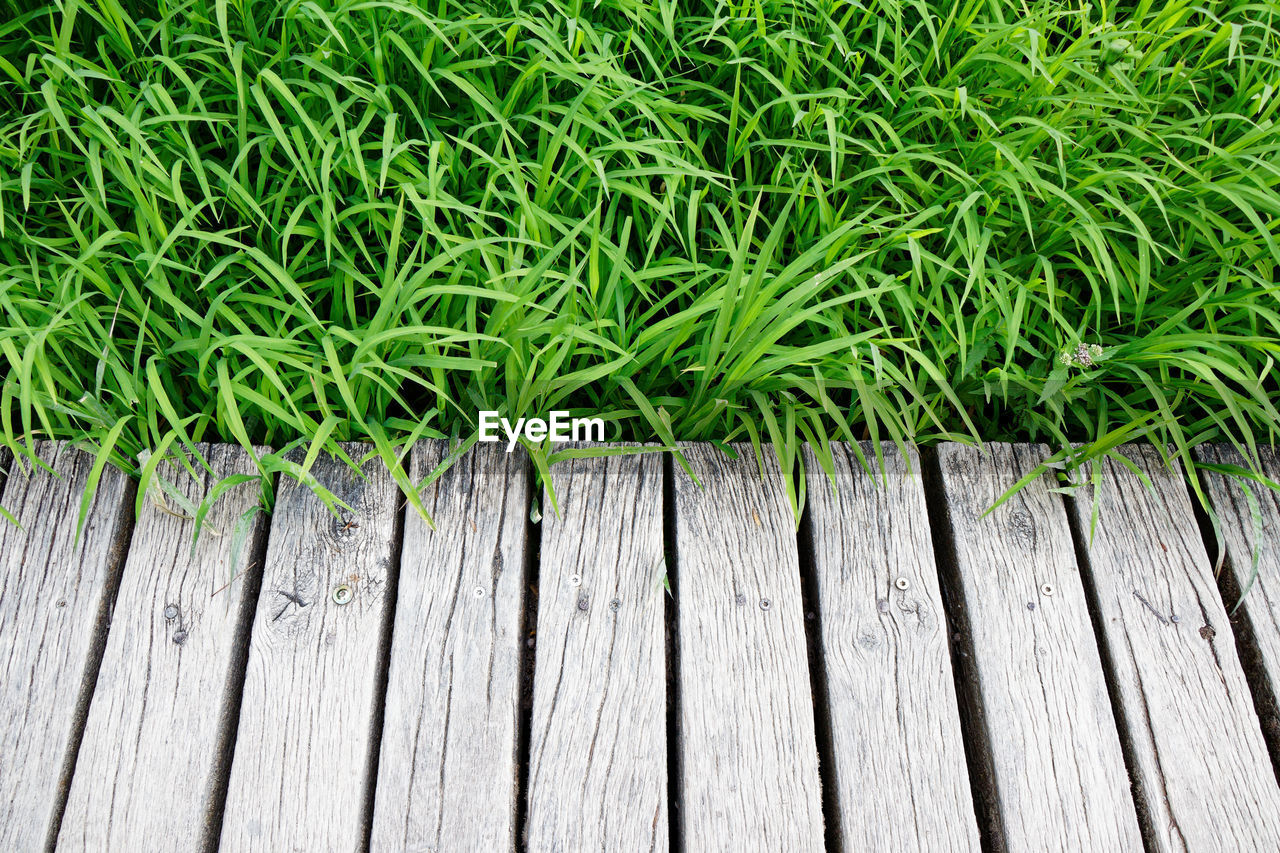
(1202, 769)
(749, 761)
(299, 777)
(598, 745)
(55, 597)
(1054, 759)
(899, 763)
(160, 715)
(447, 775)
(1259, 613)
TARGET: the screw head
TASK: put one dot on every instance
(740, 599)
(171, 611)
(1047, 589)
(614, 605)
(478, 592)
(342, 594)
(902, 583)
(575, 580)
(765, 604)
(180, 636)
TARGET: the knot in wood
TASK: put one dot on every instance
(1023, 527)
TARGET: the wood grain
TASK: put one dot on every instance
(900, 773)
(55, 599)
(447, 775)
(749, 762)
(1260, 609)
(1200, 763)
(160, 714)
(1055, 761)
(299, 777)
(598, 747)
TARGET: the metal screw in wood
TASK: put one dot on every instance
(575, 580)
(765, 604)
(1047, 589)
(902, 583)
(171, 612)
(479, 592)
(341, 594)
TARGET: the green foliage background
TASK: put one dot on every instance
(301, 223)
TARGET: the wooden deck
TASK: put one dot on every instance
(659, 666)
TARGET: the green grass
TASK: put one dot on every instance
(300, 223)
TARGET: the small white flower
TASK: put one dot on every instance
(1082, 355)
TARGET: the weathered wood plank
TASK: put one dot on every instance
(55, 596)
(749, 761)
(1260, 610)
(299, 777)
(447, 775)
(1204, 777)
(1055, 760)
(900, 773)
(598, 755)
(160, 712)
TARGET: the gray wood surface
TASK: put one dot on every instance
(302, 753)
(598, 747)
(1201, 766)
(1260, 609)
(55, 596)
(900, 772)
(447, 775)
(1055, 761)
(166, 686)
(749, 762)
